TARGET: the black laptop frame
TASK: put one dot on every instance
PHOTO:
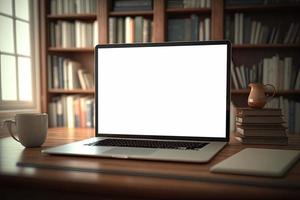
(222, 42)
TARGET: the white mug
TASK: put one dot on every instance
(31, 128)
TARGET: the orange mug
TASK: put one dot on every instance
(257, 97)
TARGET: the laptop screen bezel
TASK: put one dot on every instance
(223, 42)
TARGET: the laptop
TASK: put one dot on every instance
(159, 101)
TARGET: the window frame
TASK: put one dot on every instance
(9, 108)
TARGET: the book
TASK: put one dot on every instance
(247, 30)
(194, 27)
(129, 30)
(207, 29)
(201, 30)
(120, 30)
(112, 30)
(239, 77)
(260, 140)
(49, 72)
(88, 79)
(236, 28)
(261, 132)
(72, 73)
(175, 4)
(80, 73)
(146, 30)
(59, 112)
(138, 29)
(95, 33)
(259, 119)
(241, 28)
(258, 112)
(176, 30)
(187, 29)
(76, 105)
(129, 5)
(52, 114)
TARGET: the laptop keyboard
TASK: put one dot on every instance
(150, 144)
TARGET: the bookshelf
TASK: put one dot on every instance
(160, 13)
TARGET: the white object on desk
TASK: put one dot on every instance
(258, 162)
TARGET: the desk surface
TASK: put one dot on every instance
(82, 177)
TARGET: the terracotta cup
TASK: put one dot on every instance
(257, 97)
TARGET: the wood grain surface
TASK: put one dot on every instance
(29, 172)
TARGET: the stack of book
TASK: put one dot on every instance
(260, 126)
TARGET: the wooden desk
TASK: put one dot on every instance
(131, 179)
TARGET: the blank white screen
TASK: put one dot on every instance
(165, 91)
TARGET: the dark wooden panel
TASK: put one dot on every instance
(159, 21)
(217, 19)
(103, 21)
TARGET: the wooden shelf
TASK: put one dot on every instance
(160, 14)
(264, 46)
(246, 92)
(73, 17)
(188, 10)
(65, 50)
(75, 91)
(262, 8)
(130, 13)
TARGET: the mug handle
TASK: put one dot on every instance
(8, 123)
(274, 91)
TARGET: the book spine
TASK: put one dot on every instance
(146, 31)
(207, 29)
(120, 30)
(49, 72)
(95, 33)
(70, 112)
(195, 27)
(138, 29)
(112, 32)
(52, 114)
(59, 113)
(236, 28)
(241, 28)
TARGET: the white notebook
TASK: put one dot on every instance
(258, 162)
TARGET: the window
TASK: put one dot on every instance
(18, 60)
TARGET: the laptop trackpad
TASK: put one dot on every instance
(127, 151)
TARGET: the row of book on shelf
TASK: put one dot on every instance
(259, 2)
(281, 73)
(244, 30)
(193, 28)
(131, 5)
(64, 73)
(72, 111)
(129, 30)
(58, 7)
(73, 34)
(188, 3)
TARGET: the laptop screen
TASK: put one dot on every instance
(174, 89)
